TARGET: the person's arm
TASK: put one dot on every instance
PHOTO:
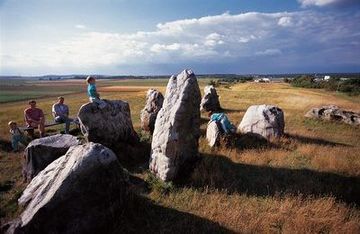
(27, 118)
(54, 110)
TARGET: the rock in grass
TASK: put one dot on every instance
(41, 152)
(210, 101)
(177, 127)
(79, 192)
(109, 126)
(334, 113)
(264, 120)
(212, 133)
(154, 102)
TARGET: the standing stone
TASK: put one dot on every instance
(177, 127)
(212, 133)
(41, 152)
(110, 125)
(334, 113)
(210, 101)
(154, 102)
(80, 192)
(265, 120)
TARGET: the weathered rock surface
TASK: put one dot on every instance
(212, 133)
(210, 101)
(80, 192)
(177, 127)
(265, 120)
(154, 102)
(41, 152)
(334, 113)
(109, 126)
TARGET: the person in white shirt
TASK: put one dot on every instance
(60, 112)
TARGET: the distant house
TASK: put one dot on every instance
(326, 78)
(262, 80)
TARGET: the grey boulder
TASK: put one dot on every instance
(43, 151)
(210, 101)
(177, 127)
(334, 113)
(79, 192)
(109, 126)
(212, 133)
(154, 102)
(263, 120)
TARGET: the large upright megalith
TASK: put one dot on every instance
(110, 125)
(80, 192)
(154, 102)
(177, 127)
(263, 120)
(210, 101)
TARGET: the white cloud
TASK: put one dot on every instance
(80, 26)
(321, 3)
(224, 38)
(269, 52)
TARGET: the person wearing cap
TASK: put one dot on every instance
(16, 136)
(60, 112)
(34, 117)
(94, 96)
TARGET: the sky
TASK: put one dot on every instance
(161, 37)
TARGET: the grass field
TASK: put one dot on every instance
(306, 182)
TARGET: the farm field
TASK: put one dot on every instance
(306, 182)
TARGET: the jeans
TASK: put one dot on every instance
(66, 120)
(15, 139)
(101, 103)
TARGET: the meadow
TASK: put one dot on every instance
(306, 182)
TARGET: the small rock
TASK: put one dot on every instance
(154, 102)
(210, 101)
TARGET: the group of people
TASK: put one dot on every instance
(34, 116)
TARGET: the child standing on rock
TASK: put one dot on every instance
(93, 94)
(16, 136)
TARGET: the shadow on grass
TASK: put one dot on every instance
(143, 216)
(311, 140)
(220, 172)
(5, 145)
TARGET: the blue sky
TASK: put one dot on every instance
(141, 37)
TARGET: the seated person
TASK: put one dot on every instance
(222, 120)
(60, 112)
(34, 117)
(16, 136)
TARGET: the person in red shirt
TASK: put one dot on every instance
(34, 117)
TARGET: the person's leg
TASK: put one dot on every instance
(42, 127)
(101, 103)
(67, 124)
(15, 142)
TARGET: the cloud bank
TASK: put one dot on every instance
(288, 40)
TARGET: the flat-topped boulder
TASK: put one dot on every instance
(177, 127)
(210, 100)
(154, 102)
(334, 113)
(265, 120)
(80, 192)
(43, 151)
(110, 125)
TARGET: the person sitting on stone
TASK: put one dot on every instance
(222, 120)
(34, 118)
(17, 136)
(94, 96)
(60, 112)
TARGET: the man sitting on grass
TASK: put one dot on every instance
(34, 117)
(60, 112)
